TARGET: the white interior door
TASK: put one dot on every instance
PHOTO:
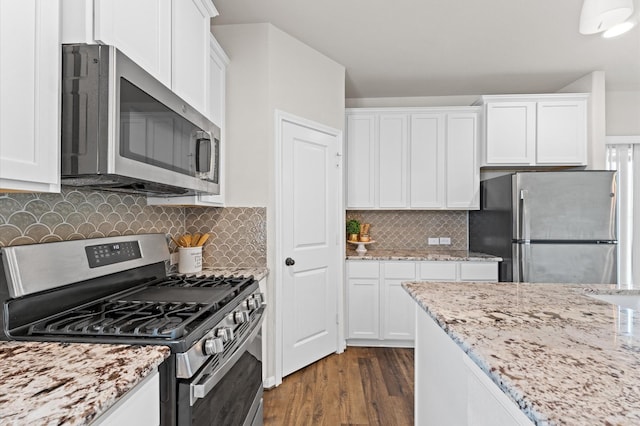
(310, 243)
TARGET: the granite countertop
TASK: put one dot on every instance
(68, 383)
(419, 255)
(563, 357)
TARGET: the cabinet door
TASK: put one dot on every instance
(190, 51)
(511, 132)
(30, 101)
(363, 309)
(392, 172)
(427, 167)
(217, 81)
(478, 271)
(437, 271)
(561, 132)
(462, 171)
(360, 161)
(398, 311)
(141, 29)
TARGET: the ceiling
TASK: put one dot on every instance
(403, 48)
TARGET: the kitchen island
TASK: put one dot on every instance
(69, 383)
(558, 355)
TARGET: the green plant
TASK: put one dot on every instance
(353, 226)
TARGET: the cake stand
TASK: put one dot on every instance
(361, 249)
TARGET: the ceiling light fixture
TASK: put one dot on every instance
(619, 29)
(601, 15)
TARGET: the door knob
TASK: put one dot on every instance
(289, 261)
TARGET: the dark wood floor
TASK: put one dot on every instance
(362, 386)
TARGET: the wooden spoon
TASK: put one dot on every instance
(176, 242)
(203, 239)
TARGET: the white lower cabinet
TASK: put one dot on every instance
(380, 312)
(140, 406)
(450, 389)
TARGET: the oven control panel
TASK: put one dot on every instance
(108, 254)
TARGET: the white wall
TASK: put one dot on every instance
(415, 101)
(268, 71)
(623, 113)
(248, 130)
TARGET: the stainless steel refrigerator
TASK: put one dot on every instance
(557, 227)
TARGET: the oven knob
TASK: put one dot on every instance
(240, 317)
(260, 298)
(225, 333)
(253, 304)
(213, 346)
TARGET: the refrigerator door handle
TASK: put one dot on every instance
(525, 232)
(524, 262)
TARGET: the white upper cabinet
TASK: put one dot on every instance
(535, 130)
(191, 32)
(218, 62)
(30, 101)
(427, 152)
(141, 29)
(392, 146)
(170, 39)
(462, 181)
(361, 157)
(412, 158)
(562, 132)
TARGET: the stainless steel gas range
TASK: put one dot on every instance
(116, 290)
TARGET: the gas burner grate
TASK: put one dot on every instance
(122, 319)
(204, 281)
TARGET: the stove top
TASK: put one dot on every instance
(58, 292)
(169, 309)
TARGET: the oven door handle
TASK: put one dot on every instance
(200, 390)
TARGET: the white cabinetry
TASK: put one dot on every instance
(30, 101)
(361, 155)
(140, 406)
(398, 307)
(458, 271)
(535, 130)
(168, 38)
(140, 29)
(412, 158)
(190, 38)
(450, 388)
(392, 163)
(380, 312)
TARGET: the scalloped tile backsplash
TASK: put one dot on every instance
(238, 234)
(410, 229)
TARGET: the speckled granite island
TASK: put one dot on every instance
(563, 357)
(68, 384)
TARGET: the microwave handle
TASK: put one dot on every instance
(203, 155)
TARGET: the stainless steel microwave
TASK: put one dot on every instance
(124, 131)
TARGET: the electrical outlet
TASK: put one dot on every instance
(174, 258)
(445, 241)
(434, 241)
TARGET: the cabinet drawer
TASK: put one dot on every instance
(480, 271)
(400, 270)
(364, 269)
(438, 271)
